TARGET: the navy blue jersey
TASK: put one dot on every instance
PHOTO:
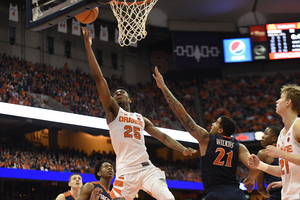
(219, 165)
(69, 196)
(274, 192)
(105, 195)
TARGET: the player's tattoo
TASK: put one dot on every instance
(191, 126)
(185, 118)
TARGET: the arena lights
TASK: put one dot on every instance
(77, 120)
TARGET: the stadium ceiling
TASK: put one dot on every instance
(236, 11)
(230, 10)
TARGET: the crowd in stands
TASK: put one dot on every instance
(250, 101)
(77, 90)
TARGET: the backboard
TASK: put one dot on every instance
(41, 14)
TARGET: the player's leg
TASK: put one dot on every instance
(126, 187)
(161, 191)
(155, 184)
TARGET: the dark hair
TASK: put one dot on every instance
(228, 125)
(74, 175)
(98, 167)
(274, 130)
(125, 89)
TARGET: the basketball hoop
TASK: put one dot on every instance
(131, 16)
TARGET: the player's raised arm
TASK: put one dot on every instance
(190, 125)
(167, 140)
(109, 104)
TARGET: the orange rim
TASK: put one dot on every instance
(128, 3)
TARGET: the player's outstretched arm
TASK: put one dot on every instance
(260, 180)
(104, 92)
(254, 162)
(190, 125)
(249, 181)
(167, 140)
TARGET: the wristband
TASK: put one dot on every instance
(262, 166)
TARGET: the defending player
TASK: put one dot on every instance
(288, 144)
(269, 138)
(104, 173)
(75, 182)
(220, 152)
(134, 169)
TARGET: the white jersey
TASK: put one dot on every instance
(290, 173)
(127, 136)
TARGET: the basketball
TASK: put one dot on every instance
(88, 17)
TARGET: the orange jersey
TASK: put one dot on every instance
(127, 137)
(289, 172)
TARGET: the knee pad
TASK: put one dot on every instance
(160, 190)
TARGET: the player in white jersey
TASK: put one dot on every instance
(134, 169)
(288, 144)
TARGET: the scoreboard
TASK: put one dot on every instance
(284, 40)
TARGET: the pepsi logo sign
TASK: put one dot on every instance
(237, 50)
(237, 47)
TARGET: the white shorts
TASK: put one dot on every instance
(128, 185)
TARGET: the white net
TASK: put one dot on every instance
(132, 17)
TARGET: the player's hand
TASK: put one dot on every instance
(273, 151)
(277, 184)
(87, 38)
(158, 78)
(189, 151)
(96, 194)
(249, 184)
(253, 161)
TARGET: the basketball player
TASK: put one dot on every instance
(288, 145)
(269, 138)
(104, 173)
(220, 152)
(75, 182)
(134, 170)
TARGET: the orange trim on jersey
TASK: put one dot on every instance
(98, 182)
(118, 183)
(150, 193)
(112, 194)
(69, 194)
(226, 137)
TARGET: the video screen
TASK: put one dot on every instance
(284, 40)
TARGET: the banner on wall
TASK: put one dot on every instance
(197, 49)
(62, 26)
(104, 33)
(13, 13)
(76, 30)
(90, 27)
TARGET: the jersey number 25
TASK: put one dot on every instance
(132, 132)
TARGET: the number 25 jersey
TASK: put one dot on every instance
(127, 137)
